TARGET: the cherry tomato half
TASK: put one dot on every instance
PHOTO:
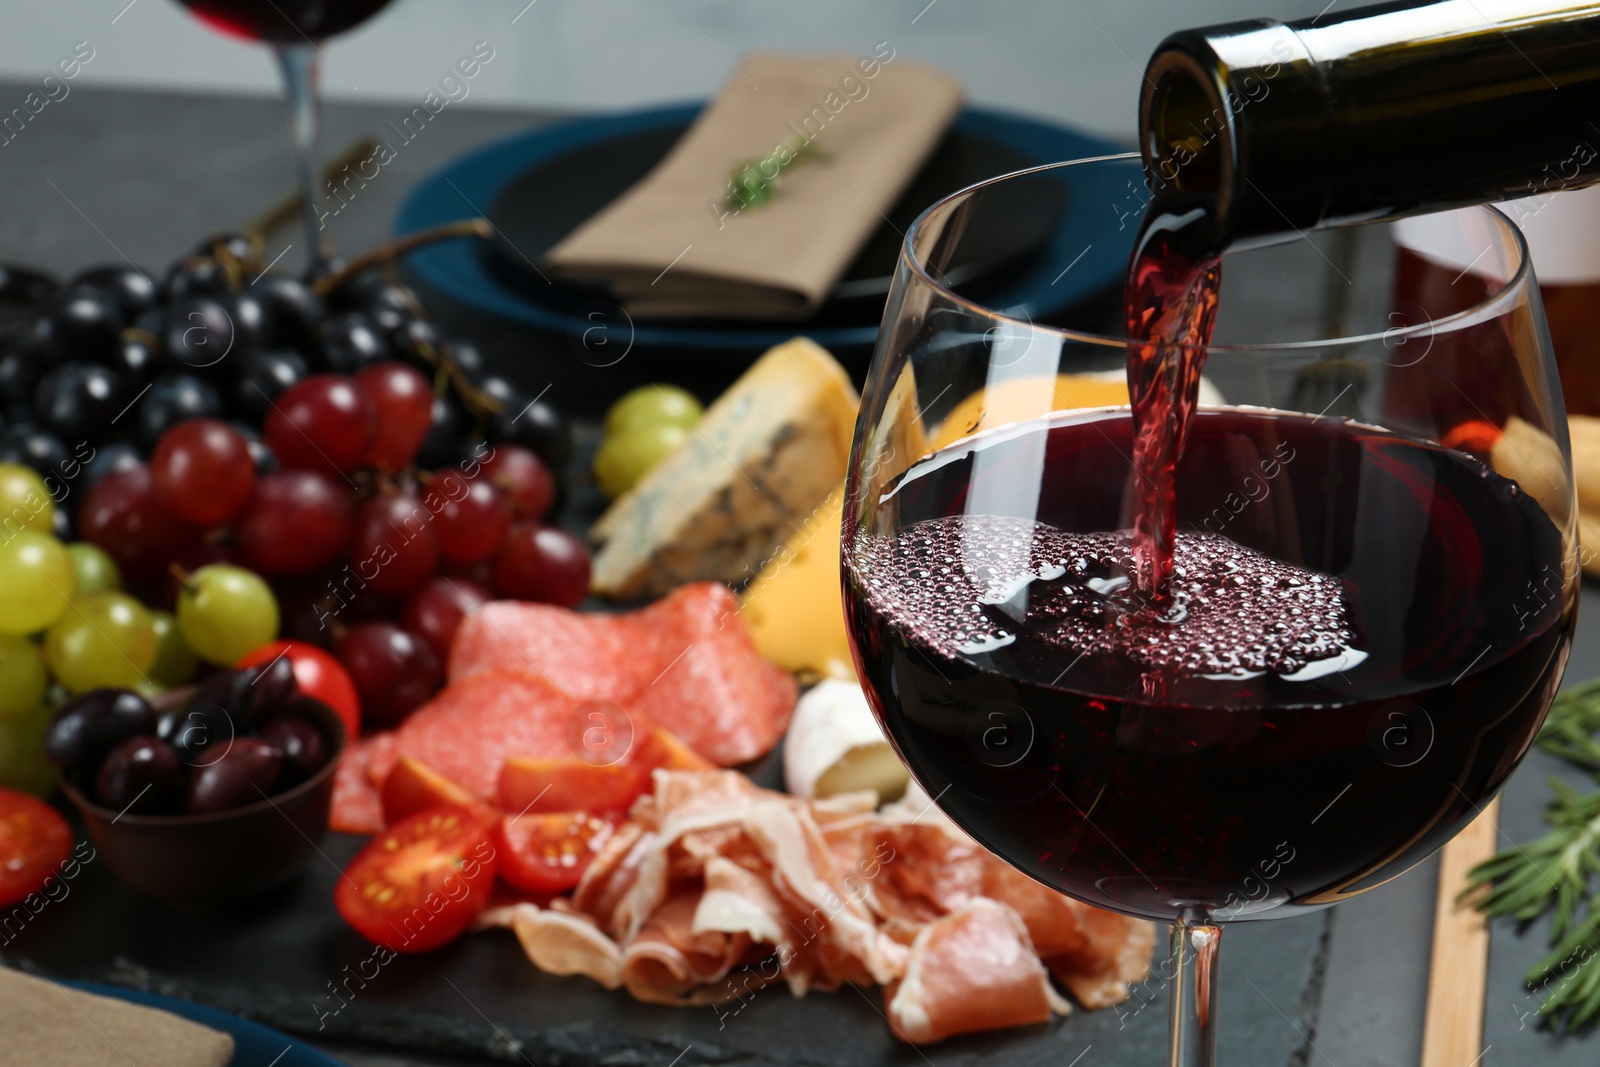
(548, 853)
(420, 883)
(34, 841)
(319, 676)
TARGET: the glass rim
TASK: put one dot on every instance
(1485, 309)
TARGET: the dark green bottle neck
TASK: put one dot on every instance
(1374, 113)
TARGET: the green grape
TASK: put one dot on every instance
(624, 458)
(653, 405)
(174, 663)
(25, 503)
(22, 762)
(93, 569)
(22, 676)
(106, 639)
(36, 576)
(225, 613)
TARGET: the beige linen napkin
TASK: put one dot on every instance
(44, 1022)
(673, 245)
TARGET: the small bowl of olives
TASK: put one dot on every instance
(211, 796)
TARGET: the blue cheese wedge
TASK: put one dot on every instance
(763, 456)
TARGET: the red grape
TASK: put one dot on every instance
(296, 522)
(523, 478)
(404, 404)
(309, 607)
(435, 610)
(542, 563)
(394, 671)
(322, 423)
(480, 574)
(472, 516)
(123, 515)
(396, 549)
(202, 471)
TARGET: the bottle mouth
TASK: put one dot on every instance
(1188, 138)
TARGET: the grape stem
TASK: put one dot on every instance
(184, 578)
(391, 250)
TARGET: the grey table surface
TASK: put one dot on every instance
(104, 176)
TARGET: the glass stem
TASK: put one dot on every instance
(1194, 994)
(302, 78)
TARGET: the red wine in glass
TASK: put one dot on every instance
(1203, 665)
(284, 21)
(1323, 715)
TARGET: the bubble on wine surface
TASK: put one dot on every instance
(973, 585)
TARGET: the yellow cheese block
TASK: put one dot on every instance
(1022, 399)
(794, 610)
(760, 460)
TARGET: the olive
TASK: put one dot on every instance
(247, 772)
(304, 750)
(142, 774)
(274, 686)
(216, 714)
(86, 727)
(233, 692)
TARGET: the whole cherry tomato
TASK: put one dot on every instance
(34, 840)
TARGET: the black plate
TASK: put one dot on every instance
(542, 205)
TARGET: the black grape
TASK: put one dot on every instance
(171, 399)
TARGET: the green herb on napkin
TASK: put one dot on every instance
(757, 181)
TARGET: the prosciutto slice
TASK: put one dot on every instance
(973, 969)
(714, 888)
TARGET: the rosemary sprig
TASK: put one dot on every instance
(1574, 721)
(756, 182)
(1556, 872)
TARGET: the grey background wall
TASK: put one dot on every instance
(1075, 60)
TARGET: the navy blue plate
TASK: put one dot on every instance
(539, 185)
(254, 1045)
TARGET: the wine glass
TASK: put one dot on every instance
(1376, 566)
(294, 29)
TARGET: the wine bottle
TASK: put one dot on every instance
(1277, 128)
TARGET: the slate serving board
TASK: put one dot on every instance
(480, 997)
